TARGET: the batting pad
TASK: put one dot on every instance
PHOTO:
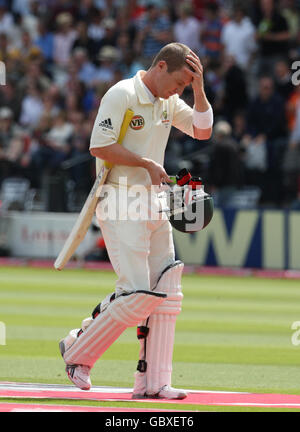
(125, 311)
(157, 347)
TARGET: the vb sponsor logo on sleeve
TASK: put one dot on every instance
(137, 122)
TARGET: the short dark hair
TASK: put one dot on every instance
(174, 54)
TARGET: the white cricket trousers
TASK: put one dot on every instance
(139, 250)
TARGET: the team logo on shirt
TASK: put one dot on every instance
(137, 122)
(165, 117)
(106, 124)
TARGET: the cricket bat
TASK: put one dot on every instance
(86, 215)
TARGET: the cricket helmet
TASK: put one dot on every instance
(190, 207)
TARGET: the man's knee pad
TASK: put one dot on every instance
(170, 284)
(156, 335)
(127, 310)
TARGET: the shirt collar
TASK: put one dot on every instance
(141, 90)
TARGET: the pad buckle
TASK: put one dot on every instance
(142, 366)
(142, 332)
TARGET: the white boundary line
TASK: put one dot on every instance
(95, 389)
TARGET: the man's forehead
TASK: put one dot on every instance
(183, 75)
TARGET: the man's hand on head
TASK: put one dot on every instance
(197, 73)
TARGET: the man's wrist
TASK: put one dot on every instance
(203, 119)
(200, 101)
(145, 163)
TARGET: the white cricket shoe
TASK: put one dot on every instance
(80, 376)
(166, 392)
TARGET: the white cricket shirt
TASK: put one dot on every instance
(149, 130)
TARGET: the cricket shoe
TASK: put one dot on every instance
(166, 392)
(80, 376)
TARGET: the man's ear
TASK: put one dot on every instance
(162, 65)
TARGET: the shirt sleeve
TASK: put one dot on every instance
(183, 117)
(109, 119)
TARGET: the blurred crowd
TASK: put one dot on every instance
(61, 56)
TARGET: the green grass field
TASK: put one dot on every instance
(233, 333)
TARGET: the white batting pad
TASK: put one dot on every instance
(157, 347)
(125, 311)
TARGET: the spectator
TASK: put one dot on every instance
(14, 65)
(64, 39)
(272, 35)
(295, 135)
(79, 142)
(6, 19)
(45, 40)
(84, 41)
(35, 171)
(34, 75)
(238, 38)
(86, 69)
(32, 107)
(110, 33)
(187, 28)
(199, 7)
(123, 43)
(154, 31)
(267, 127)
(283, 79)
(239, 127)
(214, 82)
(11, 98)
(266, 114)
(290, 11)
(86, 10)
(11, 145)
(60, 133)
(51, 105)
(64, 7)
(291, 107)
(21, 7)
(96, 30)
(30, 21)
(53, 146)
(211, 32)
(108, 57)
(25, 45)
(255, 159)
(291, 163)
(225, 166)
(3, 47)
(235, 96)
(72, 89)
